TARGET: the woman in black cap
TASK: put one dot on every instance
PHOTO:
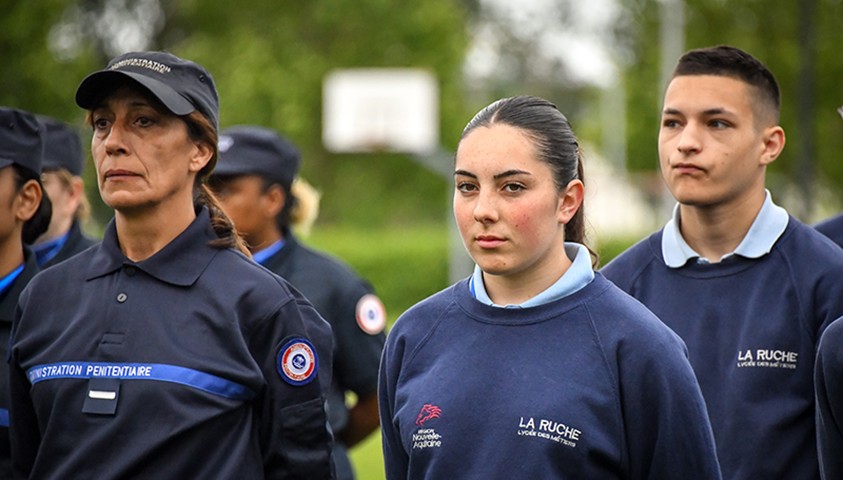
(164, 352)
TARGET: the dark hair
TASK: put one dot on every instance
(728, 61)
(555, 142)
(37, 225)
(201, 129)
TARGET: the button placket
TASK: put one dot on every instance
(129, 271)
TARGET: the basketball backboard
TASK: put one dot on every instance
(380, 109)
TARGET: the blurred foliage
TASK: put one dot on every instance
(404, 264)
(33, 77)
(612, 247)
(268, 59)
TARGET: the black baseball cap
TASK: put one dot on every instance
(21, 140)
(181, 85)
(252, 150)
(62, 146)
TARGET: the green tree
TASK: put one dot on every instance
(269, 59)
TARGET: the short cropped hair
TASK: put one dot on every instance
(728, 61)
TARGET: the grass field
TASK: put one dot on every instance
(368, 459)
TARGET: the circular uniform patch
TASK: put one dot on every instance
(371, 314)
(297, 362)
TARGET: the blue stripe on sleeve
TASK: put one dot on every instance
(4, 418)
(141, 371)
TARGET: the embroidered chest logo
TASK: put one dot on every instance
(767, 358)
(549, 430)
(427, 437)
(428, 412)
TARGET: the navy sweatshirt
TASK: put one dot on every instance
(751, 327)
(588, 386)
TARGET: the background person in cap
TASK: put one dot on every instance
(62, 178)
(256, 181)
(164, 351)
(24, 214)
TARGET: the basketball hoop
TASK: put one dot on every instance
(380, 110)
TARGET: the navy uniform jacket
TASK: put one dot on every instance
(193, 363)
(76, 242)
(336, 292)
(8, 302)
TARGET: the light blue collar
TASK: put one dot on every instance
(261, 256)
(578, 276)
(766, 229)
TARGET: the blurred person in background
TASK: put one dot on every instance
(63, 163)
(164, 351)
(747, 286)
(258, 185)
(24, 215)
(536, 366)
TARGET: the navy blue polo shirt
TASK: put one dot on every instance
(193, 363)
(9, 294)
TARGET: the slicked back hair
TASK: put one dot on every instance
(554, 141)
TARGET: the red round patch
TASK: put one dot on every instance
(297, 362)
(371, 314)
